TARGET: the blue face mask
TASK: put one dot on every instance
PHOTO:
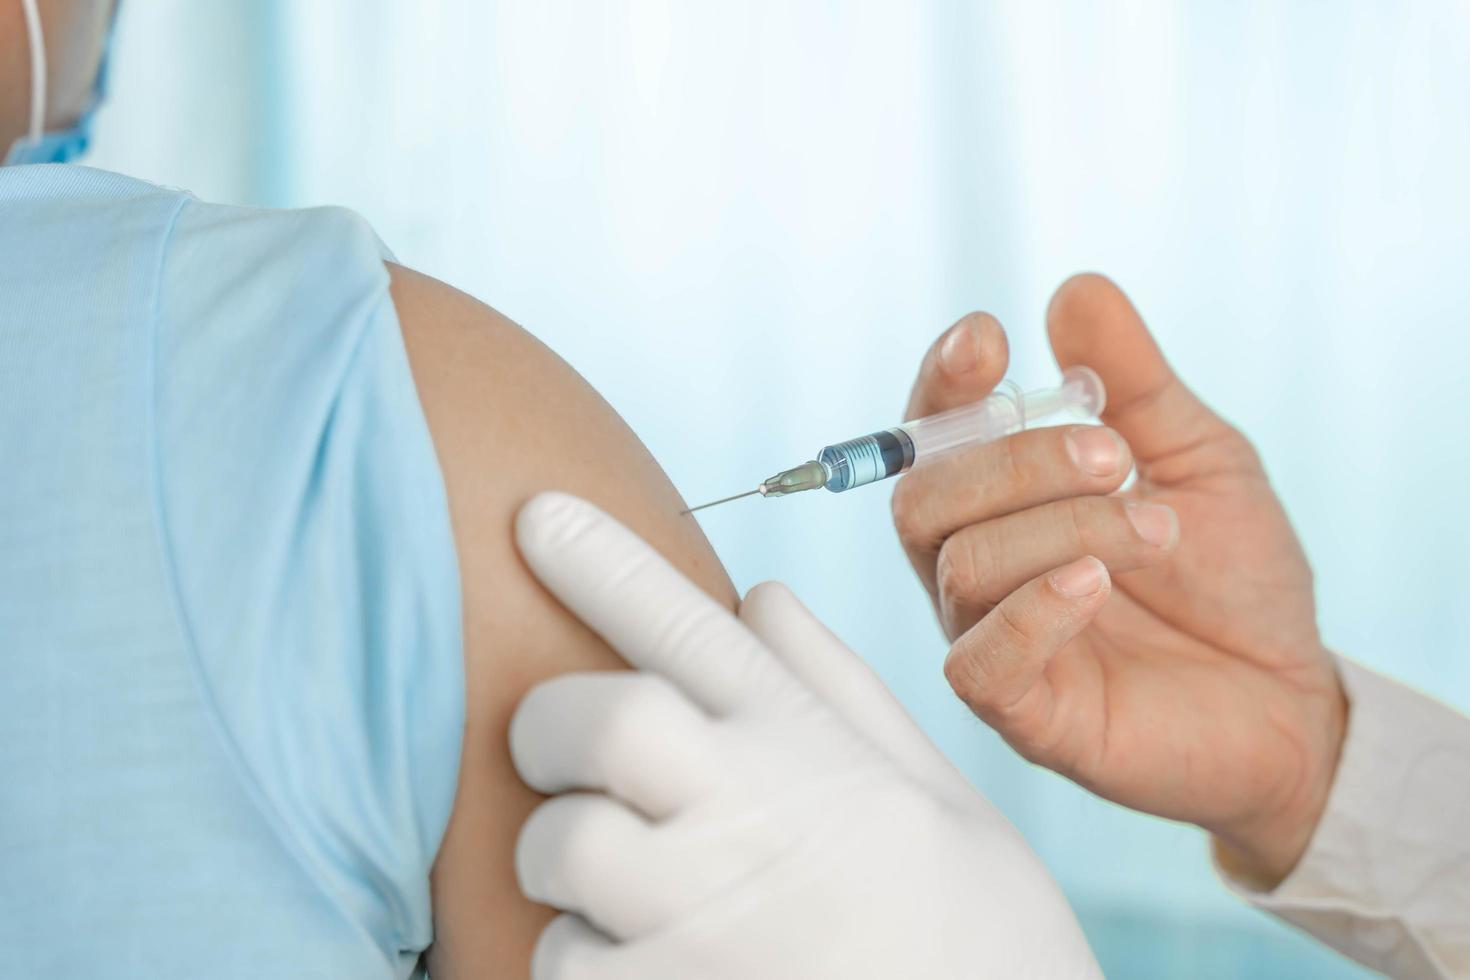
(58, 145)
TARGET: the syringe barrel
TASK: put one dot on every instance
(867, 459)
(998, 414)
(879, 455)
(1006, 410)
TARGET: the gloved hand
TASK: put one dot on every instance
(1193, 684)
(752, 802)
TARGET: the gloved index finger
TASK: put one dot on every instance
(640, 604)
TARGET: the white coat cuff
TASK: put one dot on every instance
(1385, 878)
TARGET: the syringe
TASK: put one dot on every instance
(870, 458)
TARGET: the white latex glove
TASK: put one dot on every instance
(752, 802)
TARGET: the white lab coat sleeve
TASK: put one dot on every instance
(1385, 878)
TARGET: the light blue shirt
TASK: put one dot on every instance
(231, 687)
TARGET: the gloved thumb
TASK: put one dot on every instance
(841, 679)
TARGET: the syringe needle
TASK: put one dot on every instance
(726, 500)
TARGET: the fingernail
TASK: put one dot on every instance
(960, 350)
(1084, 577)
(1155, 523)
(1097, 451)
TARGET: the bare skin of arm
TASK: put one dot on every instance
(509, 419)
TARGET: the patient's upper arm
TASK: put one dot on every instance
(508, 419)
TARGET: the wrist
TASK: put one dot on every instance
(1262, 850)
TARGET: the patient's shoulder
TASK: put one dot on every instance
(509, 419)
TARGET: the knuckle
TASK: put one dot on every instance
(955, 571)
(976, 562)
(1014, 470)
(1010, 642)
(963, 674)
(970, 678)
(1009, 629)
(1001, 638)
(1076, 521)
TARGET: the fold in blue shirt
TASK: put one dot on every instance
(231, 687)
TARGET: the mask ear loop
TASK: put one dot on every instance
(38, 70)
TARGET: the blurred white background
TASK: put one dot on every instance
(744, 223)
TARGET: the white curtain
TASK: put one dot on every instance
(745, 222)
